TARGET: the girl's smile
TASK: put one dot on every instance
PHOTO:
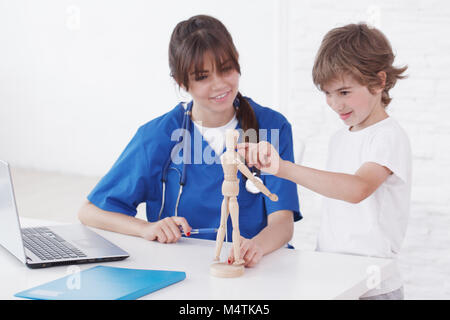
(213, 90)
(221, 97)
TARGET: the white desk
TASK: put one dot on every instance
(283, 274)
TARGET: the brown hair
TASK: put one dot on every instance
(191, 40)
(362, 52)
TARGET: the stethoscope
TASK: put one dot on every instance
(186, 125)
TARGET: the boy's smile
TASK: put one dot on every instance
(355, 104)
(345, 116)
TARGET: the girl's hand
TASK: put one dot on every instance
(166, 230)
(262, 155)
(251, 252)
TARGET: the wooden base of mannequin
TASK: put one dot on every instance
(225, 270)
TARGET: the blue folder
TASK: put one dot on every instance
(104, 283)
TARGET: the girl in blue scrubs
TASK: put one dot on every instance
(204, 62)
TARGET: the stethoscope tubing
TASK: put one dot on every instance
(185, 126)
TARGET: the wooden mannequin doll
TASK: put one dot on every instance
(231, 163)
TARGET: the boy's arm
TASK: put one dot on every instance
(352, 188)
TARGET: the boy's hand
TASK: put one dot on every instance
(262, 155)
(166, 230)
(250, 252)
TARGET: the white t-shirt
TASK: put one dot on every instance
(216, 136)
(376, 226)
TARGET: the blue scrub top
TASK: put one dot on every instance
(136, 178)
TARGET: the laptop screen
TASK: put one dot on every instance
(10, 233)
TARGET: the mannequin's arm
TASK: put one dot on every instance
(246, 172)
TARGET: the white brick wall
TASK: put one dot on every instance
(418, 31)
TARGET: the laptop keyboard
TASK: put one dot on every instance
(49, 246)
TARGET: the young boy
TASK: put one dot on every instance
(368, 182)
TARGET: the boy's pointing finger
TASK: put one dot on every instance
(243, 145)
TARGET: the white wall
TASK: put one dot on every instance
(77, 78)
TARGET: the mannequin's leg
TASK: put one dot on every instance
(234, 211)
(222, 230)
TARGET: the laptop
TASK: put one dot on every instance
(49, 246)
